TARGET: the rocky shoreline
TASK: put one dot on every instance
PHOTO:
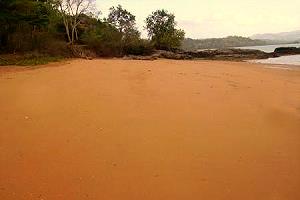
(218, 54)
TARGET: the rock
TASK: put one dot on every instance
(231, 54)
(287, 50)
(215, 54)
(134, 57)
(171, 55)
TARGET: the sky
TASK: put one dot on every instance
(217, 18)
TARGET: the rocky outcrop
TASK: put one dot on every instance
(218, 54)
(135, 57)
(287, 51)
(229, 54)
(172, 55)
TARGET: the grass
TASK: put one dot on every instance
(27, 60)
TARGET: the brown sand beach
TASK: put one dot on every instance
(150, 130)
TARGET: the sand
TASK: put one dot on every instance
(150, 130)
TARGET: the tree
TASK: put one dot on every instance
(125, 23)
(71, 10)
(22, 22)
(162, 32)
(120, 18)
(103, 38)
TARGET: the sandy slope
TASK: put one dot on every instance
(157, 130)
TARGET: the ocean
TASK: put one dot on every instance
(283, 60)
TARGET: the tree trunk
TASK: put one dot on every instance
(76, 34)
(73, 34)
(67, 30)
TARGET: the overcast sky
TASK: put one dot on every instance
(218, 18)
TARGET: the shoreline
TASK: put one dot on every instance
(227, 54)
(17, 68)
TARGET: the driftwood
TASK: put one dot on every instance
(81, 51)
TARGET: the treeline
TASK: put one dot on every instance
(61, 27)
(219, 43)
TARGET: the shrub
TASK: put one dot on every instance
(104, 39)
(139, 47)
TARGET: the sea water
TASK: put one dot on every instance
(283, 60)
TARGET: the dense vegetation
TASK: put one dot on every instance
(65, 28)
(161, 29)
(217, 43)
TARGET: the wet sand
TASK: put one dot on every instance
(150, 130)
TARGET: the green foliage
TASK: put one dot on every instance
(26, 24)
(47, 27)
(37, 60)
(103, 38)
(121, 19)
(28, 59)
(161, 29)
(106, 40)
(139, 47)
(125, 23)
(71, 12)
